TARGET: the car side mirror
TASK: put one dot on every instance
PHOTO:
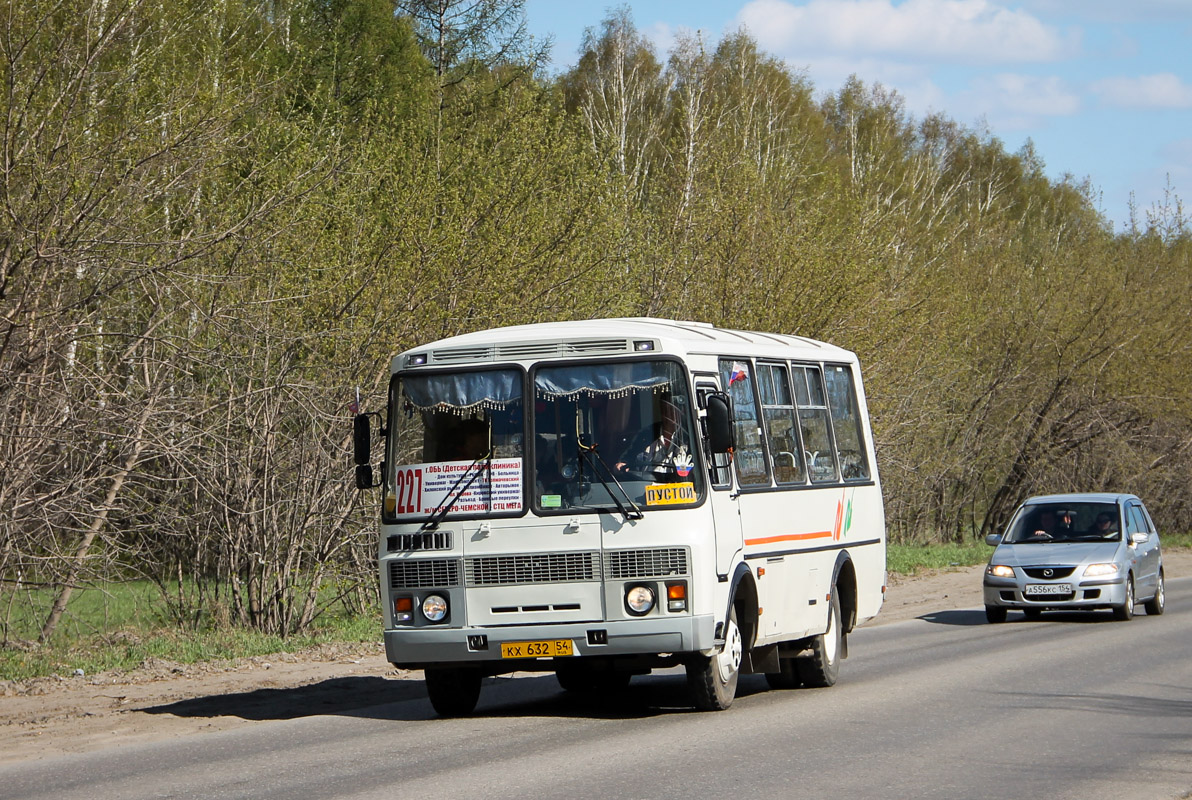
(361, 441)
(720, 422)
(1139, 538)
(993, 539)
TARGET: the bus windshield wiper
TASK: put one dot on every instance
(434, 519)
(594, 460)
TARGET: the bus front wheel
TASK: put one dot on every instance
(713, 680)
(453, 691)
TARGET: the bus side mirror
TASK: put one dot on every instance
(364, 476)
(361, 442)
(720, 422)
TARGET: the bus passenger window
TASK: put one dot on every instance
(846, 423)
(778, 409)
(750, 456)
(813, 424)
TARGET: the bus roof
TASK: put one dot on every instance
(603, 337)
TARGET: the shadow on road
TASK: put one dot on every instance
(502, 696)
(960, 617)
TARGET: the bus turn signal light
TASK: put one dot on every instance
(403, 609)
(676, 596)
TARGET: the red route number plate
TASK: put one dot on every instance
(550, 648)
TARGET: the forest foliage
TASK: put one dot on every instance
(222, 216)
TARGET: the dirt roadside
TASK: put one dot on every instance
(51, 716)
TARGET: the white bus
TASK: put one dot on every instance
(602, 498)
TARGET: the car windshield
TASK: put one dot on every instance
(1065, 522)
(613, 435)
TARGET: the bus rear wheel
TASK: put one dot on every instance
(453, 691)
(712, 681)
(821, 666)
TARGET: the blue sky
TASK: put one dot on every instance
(1102, 87)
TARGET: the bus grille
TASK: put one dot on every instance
(423, 573)
(532, 568)
(430, 540)
(657, 563)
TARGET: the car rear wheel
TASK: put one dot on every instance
(995, 614)
(1154, 607)
(1032, 613)
(1125, 611)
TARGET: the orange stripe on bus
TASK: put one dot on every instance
(790, 537)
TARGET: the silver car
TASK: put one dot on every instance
(1075, 552)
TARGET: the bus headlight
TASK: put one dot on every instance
(434, 608)
(639, 600)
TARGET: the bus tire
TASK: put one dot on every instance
(585, 679)
(821, 667)
(453, 691)
(787, 677)
(712, 681)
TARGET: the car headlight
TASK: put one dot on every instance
(434, 608)
(1000, 571)
(1094, 570)
(639, 599)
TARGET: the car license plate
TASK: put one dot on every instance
(1048, 588)
(549, 648)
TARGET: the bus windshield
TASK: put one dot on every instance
(455, 445)
(613, 435)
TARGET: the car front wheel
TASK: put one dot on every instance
(1125, 611)
(995, 614)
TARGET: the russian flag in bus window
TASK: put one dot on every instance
(739, 373)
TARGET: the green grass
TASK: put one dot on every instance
(129, 648)
(121, 626)
(908, 559)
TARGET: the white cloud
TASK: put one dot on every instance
(1010, 102)
(1163, 90)
(965, 31)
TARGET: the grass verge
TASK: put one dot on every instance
(125, 630)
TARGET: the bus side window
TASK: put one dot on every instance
(813, 423)
(750, 457)
(719, 463)
(846, 423)
(782, 433)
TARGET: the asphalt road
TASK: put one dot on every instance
(945, 706)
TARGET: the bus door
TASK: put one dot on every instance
(724, 499)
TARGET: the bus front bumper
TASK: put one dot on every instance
(416, 648)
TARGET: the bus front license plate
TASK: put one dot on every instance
(549, 648)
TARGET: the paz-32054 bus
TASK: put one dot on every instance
(602, 498)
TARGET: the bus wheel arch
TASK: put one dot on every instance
(844, 586)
